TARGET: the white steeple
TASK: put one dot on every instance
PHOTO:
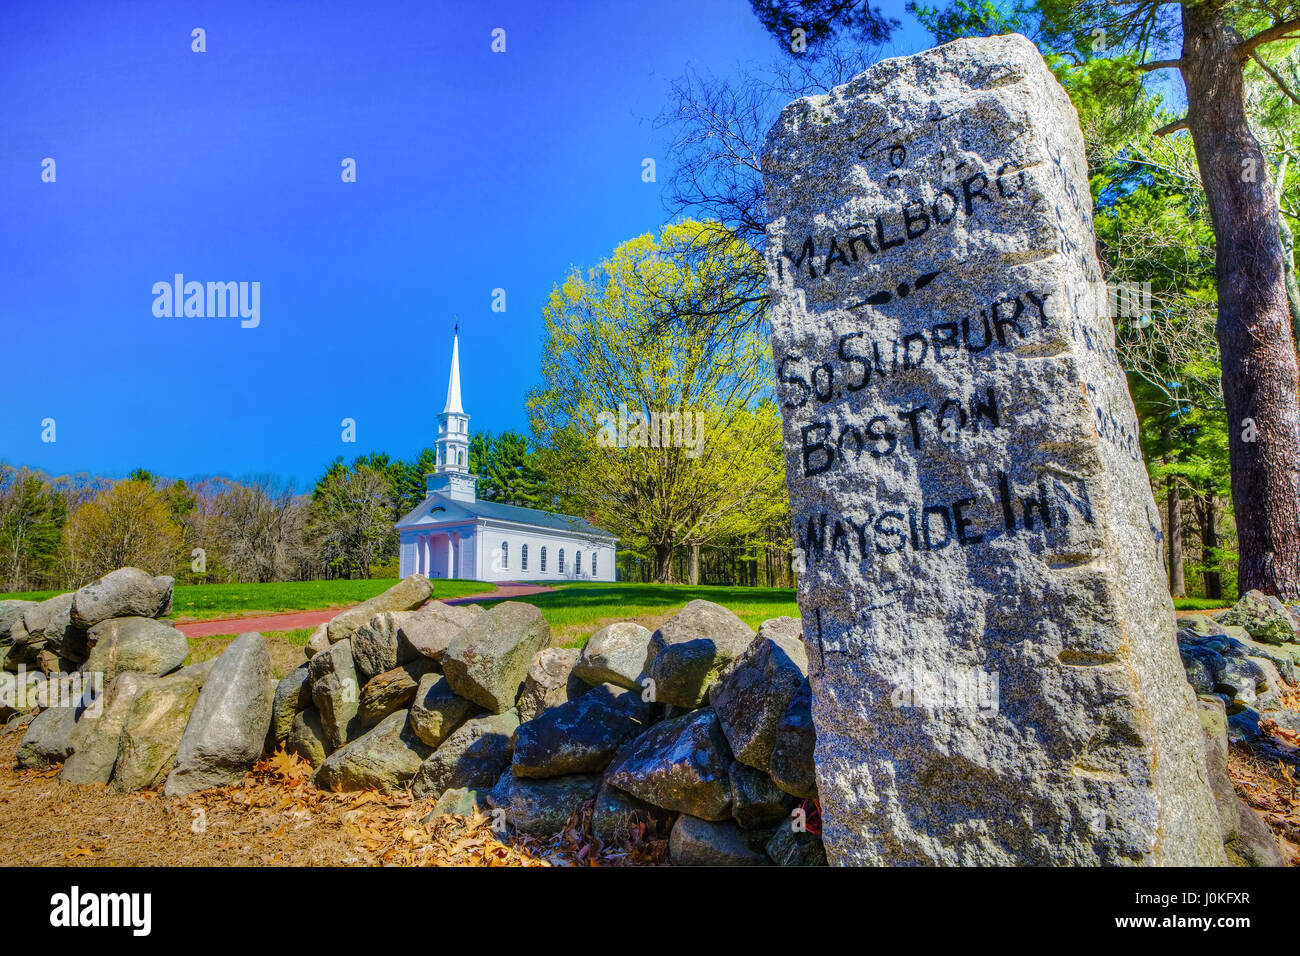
(451, 475)
(453, 383)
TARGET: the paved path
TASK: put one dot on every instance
(292, 620)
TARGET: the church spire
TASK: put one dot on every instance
(451, 472)
(453, 383)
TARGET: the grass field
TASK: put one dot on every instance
(1202, 604)
(286, 648)
(196, 602)
(576, 611)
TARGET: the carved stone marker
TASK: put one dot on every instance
(991, 640)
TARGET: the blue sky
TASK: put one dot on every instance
(475, 171)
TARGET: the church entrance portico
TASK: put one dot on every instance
(438, 554)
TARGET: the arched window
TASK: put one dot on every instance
(460, 458)
(593, 564)
(543, 558)
(577, 563)
(561, 560)
(505, 555)
(523, 557)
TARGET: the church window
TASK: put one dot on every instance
(505, 555)
(523, 557)
(561, 560)
(593, 564)
(577, 563)
(543, 557)
(460, 458)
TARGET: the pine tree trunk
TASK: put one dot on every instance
(1174, 534)
(1254, 332)
(695, 564)
(1209, 543)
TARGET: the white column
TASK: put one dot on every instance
(451, 554)
(424, 555)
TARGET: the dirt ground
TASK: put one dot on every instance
(274, 817)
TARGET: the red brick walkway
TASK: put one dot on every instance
(292, 620)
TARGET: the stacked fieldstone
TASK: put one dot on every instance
(1242, 663)
(106, 676)
(701, 726)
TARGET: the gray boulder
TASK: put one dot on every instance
(616, 654)
(11, 613)
(1269, 691)
(386, 758)
(392, 690)
(754, 691)
(461, 802)
(152, 731)
(307, 738)
(1239, 677)
(1200, 625)
(407, 594)
(1247, 840)
(319, 641)
(437, 710)
(474, 756)
(789, 847)
(696, 842)
(49, 738)
(679, 764)
(1263, 616)
(395, 637)
(49, 626)
(21, 648)
(126, 592)
(616, 815)
(374, 647)
(10, 696)
(488, 661)
(336, 692)
(1200, 663)
(755, 800)
(792, 767)
(228, 727)
(1283, 656)
(541, 807)
(430, 630)
(692, 649)
(138, 644)
(292, 695)
(577, 737)
(95, 739)
(550, 681)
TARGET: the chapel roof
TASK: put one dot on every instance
(550, 520)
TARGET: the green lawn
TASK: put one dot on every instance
(285, 646)
(576, 611)
(1202, 604)
(202, 601)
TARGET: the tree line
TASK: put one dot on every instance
(64, 531)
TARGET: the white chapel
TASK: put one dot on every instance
(452, 534)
